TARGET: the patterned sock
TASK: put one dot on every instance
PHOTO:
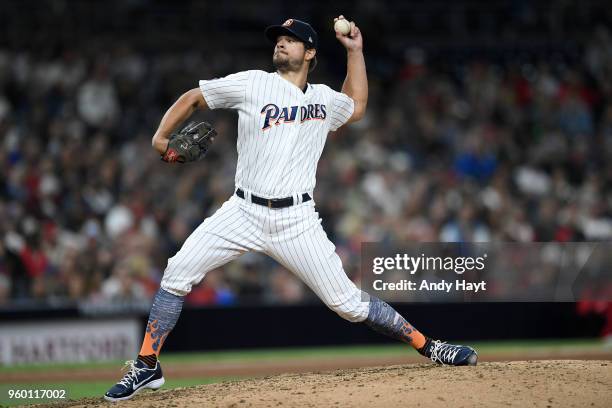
(164, 314)
(426, 349)
(385, 320)
(150, 360)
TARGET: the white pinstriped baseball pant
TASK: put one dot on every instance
(293, 236)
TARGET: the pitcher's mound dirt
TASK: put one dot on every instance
(556, 383)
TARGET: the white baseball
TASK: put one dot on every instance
(342, 26)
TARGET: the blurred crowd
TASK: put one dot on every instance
(473, 150)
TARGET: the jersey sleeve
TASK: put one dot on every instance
(225, 93)
(342, 107)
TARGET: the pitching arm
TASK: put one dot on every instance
(356, 81)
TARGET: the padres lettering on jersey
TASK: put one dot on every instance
(281, 129)
(276, 115)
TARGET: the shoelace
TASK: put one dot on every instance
(132, 374)
(443, 353)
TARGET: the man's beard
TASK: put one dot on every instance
(283, 64)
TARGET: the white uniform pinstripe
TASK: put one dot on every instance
(281, 134)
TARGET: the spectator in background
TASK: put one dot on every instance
(475, 162)
(215, 290)
(97, 100)
(123, 285)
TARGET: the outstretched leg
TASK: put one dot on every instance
(301, 245)
(219, 239)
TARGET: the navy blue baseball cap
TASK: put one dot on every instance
(295, 28)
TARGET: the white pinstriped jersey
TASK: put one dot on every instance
(281, 129)
(281, 134)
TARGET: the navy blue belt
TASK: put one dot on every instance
(273, 202)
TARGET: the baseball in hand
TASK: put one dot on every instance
(342, 26)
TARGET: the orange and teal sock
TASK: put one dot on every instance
(385, 320)
(164, 314)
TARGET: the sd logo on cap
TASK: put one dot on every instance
(294, 28)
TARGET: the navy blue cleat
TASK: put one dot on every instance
(139, 377)
(449, 354)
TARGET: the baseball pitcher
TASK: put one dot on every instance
(283, 124)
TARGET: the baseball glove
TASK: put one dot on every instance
(190, 144)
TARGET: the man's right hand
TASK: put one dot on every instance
(353, 42)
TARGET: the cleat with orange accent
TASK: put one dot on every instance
(449, 354)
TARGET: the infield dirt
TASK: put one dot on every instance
(551, 383)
